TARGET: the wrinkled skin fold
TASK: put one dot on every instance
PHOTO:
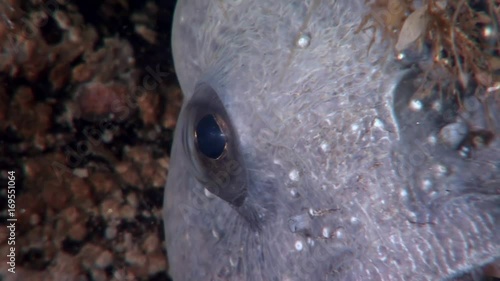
(345, 179)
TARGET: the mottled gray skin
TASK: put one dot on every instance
(346, 180)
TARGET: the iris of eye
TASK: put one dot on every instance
(209, 137)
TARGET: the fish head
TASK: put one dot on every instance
(301, 155)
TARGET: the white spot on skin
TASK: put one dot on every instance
(432, 139)
(354, 220)
(294, 192)
(303, 41)
(310, 241)
(403, 193)
(440, 170)
(294, 175)
(324, 146)
(215, 233)
(340, 234)
(416, 105)
(354, 127)
(464, 151)
(325, 232)
(378, 123)
(426, 184)
(299, 246)
(412, 216)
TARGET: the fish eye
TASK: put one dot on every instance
(211, 144)
(209, 137)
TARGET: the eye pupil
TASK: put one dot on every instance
(210, 138)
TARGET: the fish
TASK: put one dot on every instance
(304, 151)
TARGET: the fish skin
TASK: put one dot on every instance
(344, 180)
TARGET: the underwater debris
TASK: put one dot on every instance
(463, 36)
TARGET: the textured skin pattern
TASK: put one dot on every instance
(347, 178)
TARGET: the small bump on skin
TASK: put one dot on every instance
(378, 123)
(354, 220)
(464, 151)
(325, 232)
(412, 216)
(416, 105)
(453, 134)
(303, 41)
(294, 175)
(340, 234)
(324, 146)
(354, 127)
(432, 139)
(310, 241)
(440, 170)
(403, 193)
(426, 184)
(299, 246)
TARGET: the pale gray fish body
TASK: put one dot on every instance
(330, 171)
